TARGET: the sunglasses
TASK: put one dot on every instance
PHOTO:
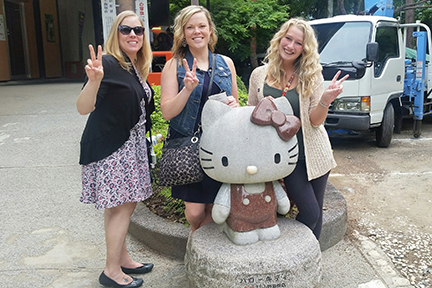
(125, 30)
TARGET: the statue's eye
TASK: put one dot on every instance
(277, 158)
(225, 161)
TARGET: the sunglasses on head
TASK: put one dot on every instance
(125, 30)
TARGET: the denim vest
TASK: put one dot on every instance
(185, 121)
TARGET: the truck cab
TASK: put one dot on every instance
(376, 72)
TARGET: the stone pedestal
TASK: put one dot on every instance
(293, 260)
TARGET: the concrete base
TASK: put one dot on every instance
(335, 218)
(170, 238)
(292, 260)
(158, 233)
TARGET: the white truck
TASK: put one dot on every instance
(384, 85)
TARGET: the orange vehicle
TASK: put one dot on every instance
(154, 77)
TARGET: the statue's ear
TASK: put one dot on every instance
(283, 105)
(212, 111)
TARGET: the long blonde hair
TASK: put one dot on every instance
(178, 51)
(306, 66)
(112, 47)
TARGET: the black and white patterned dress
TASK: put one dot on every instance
(123, 176)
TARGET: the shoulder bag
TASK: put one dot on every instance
(180, 164)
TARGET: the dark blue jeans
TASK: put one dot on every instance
(308, 196)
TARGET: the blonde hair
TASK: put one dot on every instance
(112, 47)
(178, 51)
(306, 66)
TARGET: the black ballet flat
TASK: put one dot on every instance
(108, 282)
(147, 267)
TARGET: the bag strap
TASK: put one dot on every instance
(212, 72)
(210, 86)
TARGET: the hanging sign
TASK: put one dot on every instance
(108, 15)
(142, 11)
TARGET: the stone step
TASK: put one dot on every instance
(170, 238)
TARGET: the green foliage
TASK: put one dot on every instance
(242, 91)
(238, 21)
(176, 6)
(160, 125)
(422, 14)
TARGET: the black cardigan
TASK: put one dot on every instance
(117, 111)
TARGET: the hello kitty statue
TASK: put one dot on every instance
(249, 149)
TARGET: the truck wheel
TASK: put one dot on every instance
(384, 133)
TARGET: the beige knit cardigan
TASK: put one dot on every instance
(318, 151)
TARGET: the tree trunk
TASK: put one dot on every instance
(409, 18)
(254, 58)
(358, 6)
(330, 8)
(341, 7)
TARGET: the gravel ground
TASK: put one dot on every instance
(389, 197)
(410, 250)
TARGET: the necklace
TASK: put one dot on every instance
(288, 86)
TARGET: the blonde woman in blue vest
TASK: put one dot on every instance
(184, 86)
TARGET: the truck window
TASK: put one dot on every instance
(387, 39)
(342, 42)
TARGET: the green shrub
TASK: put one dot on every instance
(160, 126)
(242, 91)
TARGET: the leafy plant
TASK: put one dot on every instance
(242, 91)
(239, 21)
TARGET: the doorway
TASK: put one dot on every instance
(16, 40)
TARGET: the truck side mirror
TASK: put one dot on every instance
(372, 52)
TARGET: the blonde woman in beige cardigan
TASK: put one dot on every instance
(292, 70)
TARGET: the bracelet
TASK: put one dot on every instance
(325, 106)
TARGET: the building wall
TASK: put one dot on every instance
(63, 52)
(51, 38)
(31, 43)
(4, 58)
(69, 12)
(64, 43)
(31, 39)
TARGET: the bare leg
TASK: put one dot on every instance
(117, 221)
(126, 260)
(208, 214)
(198, 214)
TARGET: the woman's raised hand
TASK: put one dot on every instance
(334, 89)
(94, 68)
(190, 79)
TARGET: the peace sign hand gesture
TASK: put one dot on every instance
(94, 68)
(333, 90)
(190, 80)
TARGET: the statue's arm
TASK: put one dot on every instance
(222, 204)
(282, 198)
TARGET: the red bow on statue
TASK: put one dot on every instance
(266, 113)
